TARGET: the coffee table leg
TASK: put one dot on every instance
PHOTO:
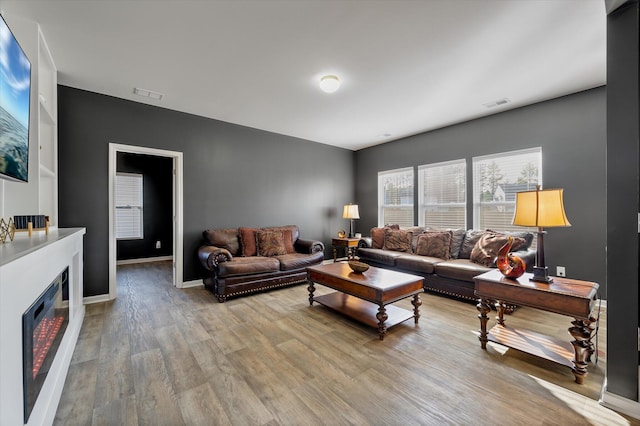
(500, 307)
(416, 302)
(311, 289)
(484, 308)
(582, 347)
(382, 317)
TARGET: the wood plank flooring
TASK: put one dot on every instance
(157, 355)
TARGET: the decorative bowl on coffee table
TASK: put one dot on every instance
(358, 267)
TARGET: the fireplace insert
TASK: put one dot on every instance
(43, 326)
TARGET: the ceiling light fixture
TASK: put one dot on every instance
(329, 83)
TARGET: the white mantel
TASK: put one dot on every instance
(27, 266)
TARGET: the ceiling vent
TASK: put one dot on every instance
(147, 93)
(499, 102)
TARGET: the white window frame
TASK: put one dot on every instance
(498, 201)
(427, 203)
(133, 203)
(402, 206)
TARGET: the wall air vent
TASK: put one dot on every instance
(499, 102)
(148, 93)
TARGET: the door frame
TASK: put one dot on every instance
(178, 244)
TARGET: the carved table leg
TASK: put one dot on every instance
(416, 302)
(582, 347)
(500, 307)
(311, 289)
(484, 308)
(382, 317)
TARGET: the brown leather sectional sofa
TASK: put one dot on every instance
(245, 260)
(452, 276)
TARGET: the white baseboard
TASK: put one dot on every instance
(144, 260)
(95, 299)
(194, 283)
(619, 403)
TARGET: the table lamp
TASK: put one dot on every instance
(543, 209)
(350, 212)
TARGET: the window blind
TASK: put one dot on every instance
(395, 197)
(129, 205)
(442, 194)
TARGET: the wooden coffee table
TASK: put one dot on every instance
(367, 297)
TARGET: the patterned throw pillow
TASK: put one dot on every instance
(486, 249)
(456, 241)
(270, 243)
(435, 244)
(471, 237)
(377, 235)
(397, 240)
(248, 241)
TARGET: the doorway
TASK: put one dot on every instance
(177, 272)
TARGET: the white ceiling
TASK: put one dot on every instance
(406, 66)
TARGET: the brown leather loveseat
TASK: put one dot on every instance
(246, 260)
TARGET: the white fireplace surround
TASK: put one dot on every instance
(27, 266)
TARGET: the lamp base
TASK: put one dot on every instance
(541, 275)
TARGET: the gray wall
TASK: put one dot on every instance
(623, 133)
(572, 133)
(233, 175)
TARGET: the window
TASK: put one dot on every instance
(497, 178)
(128, 206)
(442, 194)
(395, 197)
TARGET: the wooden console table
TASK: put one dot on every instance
(563, 296)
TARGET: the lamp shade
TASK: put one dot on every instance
(543, 208)
(350, 211)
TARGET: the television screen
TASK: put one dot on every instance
(15, 87)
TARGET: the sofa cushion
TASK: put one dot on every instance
(293, 261)
(435, 244)
(417, 263)
(471, 237)
(460, 269)
(456, 241)
(248, 241)
(487, 247)
(248, 266)
(270, 243)
(383, 257)
(223, 238)
(397, 240)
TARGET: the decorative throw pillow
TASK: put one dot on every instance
(377, 238)
(528, 237)
(270, 243)
(486, 249)
(288, 241)
(397, 240)
(248, 241)
(456, 241)
(435, 244)
(471, 237)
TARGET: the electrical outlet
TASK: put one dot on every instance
(158, 245)
(560, 271)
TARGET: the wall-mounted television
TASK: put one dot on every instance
(15, 93)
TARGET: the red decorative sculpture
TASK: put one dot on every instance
(509, 264)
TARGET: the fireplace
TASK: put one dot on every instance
(43, 326)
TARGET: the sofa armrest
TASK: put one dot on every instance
(211, 256)
(365, 242)
(308, 246)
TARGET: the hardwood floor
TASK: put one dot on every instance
(161, 356)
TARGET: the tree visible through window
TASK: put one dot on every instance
(497, 178)
(129, 206)
(395, 197)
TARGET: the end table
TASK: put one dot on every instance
(350, 245)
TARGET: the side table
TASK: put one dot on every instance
(350, 245)
(563, 296)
